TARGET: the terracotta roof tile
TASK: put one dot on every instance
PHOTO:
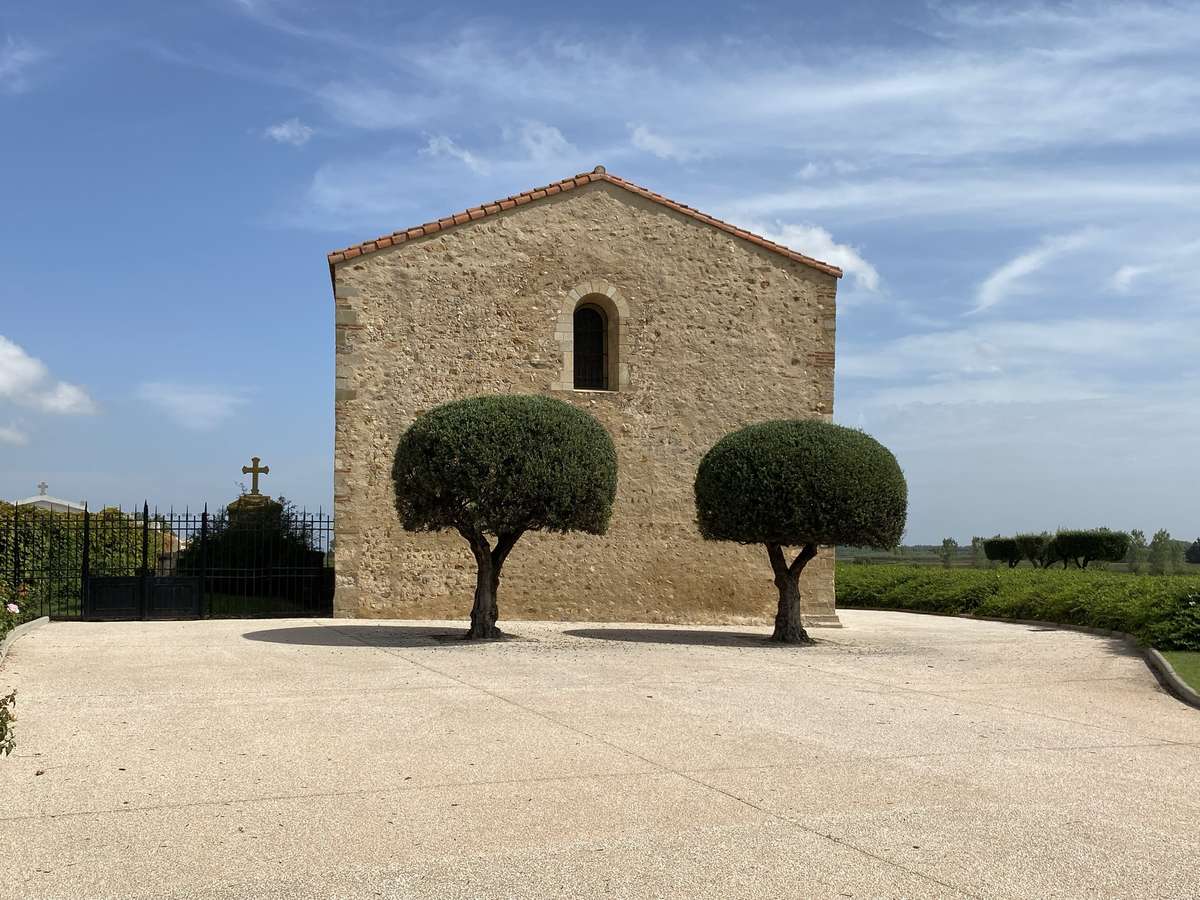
(567, 184)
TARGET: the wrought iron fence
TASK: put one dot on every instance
(271, 561)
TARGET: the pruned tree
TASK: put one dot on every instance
(1002, 549)
(949, 552)
(801, 484)
(1033, 548)
(500, 467)
(1098, 544)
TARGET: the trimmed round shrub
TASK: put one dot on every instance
(1003, 549)
(502, 466)
(1082, 547)
(800, 484)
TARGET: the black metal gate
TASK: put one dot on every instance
(117, 565)
(146, 597)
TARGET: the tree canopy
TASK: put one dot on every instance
(1084, 546)
(797, 482)
(502, 466)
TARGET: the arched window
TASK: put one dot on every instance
(591, 348)
(592, 332)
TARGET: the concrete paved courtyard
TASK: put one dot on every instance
(904, 756)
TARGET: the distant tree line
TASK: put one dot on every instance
(1068, 548)
(1080, 547)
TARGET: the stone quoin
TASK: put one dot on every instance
(671, 327)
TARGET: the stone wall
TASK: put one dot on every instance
(714, 333)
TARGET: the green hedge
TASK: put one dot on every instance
(1163, 611)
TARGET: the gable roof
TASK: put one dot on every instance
(46, 502)
(531, 196)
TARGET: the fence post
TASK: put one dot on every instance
(16, 551)
(203, 557)
(145, 539)
(49, 579)
(145, 571)
(85, 600)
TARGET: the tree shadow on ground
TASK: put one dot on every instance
(369, 636)
(678, 636)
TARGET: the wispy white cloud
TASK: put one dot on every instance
(1122, 279)
(826, 168)
(440, 145)
(191, 406)
(290, 131)
(656, 144)
(361, 104)
(815, 241)
(958, 96)
(1009, 279)
(17, 57)
(543, 143)
(381, 190)
(26, 380)
(1166, 263)
(1018, 348)
(13, 436)
(66, 399)
(1019, 194)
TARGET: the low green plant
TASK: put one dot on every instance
(1180, 629)
(7, 717)
(1163, 612)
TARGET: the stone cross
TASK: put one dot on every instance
(42, 488)
(254, 470)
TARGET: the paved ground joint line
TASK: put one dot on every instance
(668, 769)
(322, 795)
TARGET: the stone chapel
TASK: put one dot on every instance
(671, 327)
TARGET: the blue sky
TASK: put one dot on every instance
(1013, 191)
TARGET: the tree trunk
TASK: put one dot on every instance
(488, 561)
(788, 627)
(485, 612)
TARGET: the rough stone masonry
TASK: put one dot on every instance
(709, 328)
